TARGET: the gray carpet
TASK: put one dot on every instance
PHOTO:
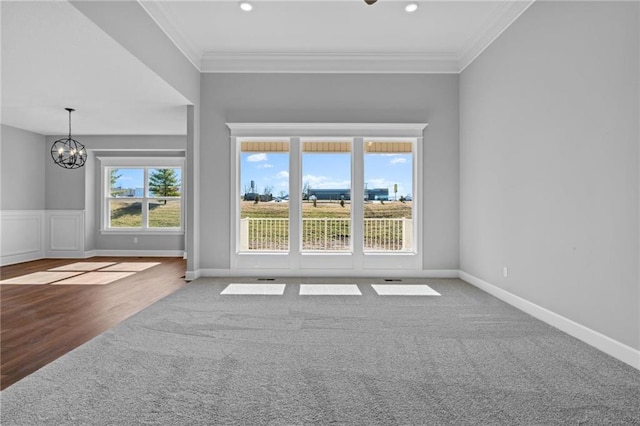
(199, 358)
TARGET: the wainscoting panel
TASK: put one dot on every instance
(21, 236)
(65, 229)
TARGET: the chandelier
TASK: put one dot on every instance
(68, 152)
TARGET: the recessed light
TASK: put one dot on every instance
(411, 7)
(246, 6)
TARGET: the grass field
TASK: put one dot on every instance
(128, 214)
(389, 209)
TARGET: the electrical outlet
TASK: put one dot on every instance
(505, 272)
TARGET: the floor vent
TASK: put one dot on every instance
(266, 279)
(392, 279)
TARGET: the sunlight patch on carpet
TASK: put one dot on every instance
(82, 266)
(39, 278)
(254, 289)
(404, 290)
(329, 290)
(94, 278)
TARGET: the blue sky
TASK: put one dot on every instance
(134, 178)
(326, 171)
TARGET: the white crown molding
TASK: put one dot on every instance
(156, 11)
(304, 62)
(327, 129)
(507, 14)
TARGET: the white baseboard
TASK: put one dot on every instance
(62, 254)
(192, 275)
(432, 273)
(139, 253)
(598, 340)
(20, 258)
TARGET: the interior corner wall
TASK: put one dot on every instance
(22, 169)
(549, 163)
(339, 98)
(129, 24)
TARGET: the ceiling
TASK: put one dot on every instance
(54, 57)
(333, 35)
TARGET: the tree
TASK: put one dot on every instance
(246, 189)
(305, 190)
(113, 178)
(164, 183)
(282, 193)
(267, 193)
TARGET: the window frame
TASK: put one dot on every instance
(146, 164)
(296, 259)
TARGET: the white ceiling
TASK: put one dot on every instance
(334, 35)
(55, 57)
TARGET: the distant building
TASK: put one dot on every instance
(331, 194)
(251, 196)
(345, 194)
(376, 194)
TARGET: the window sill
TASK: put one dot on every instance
(326, 253)
(264, 252)
(135, 231)
(390, 253)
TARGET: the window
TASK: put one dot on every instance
(388, 196)
(264, 197)
(326, 196)
(142, 194)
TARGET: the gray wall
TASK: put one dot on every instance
(86, 184)
(332, 98)
(549, 163)
(22, 159)
(129, 24)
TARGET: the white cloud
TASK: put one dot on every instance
(264, 166)
(397, 160)
(323, 182)
(283, 175)
(254, 158)
(378, 183)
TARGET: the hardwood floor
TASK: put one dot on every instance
(39, 323)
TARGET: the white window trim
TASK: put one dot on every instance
(145, 163)
(356, 259)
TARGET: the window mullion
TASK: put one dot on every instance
(106, 188)
(295, 197)
(145, 201)
(357, 199)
